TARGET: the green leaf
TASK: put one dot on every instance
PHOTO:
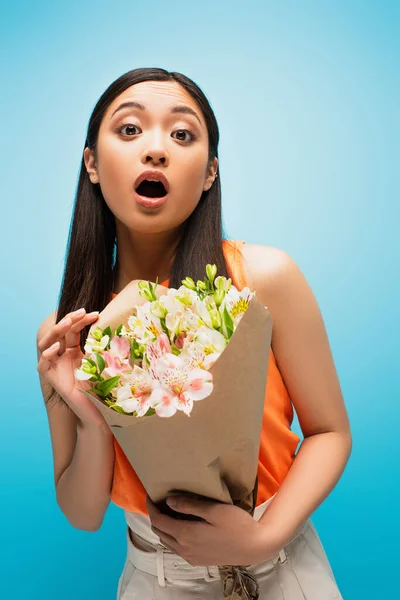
(91, 361)
(175, 350)
(164, 326)
(136, 351)
(108, 384)
(101, 362)
(228, 322)
(108, 331)
(96, 391)
(118, 331)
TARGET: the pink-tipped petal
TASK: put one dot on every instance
(143, 404)
(124, 392)
(120, 346)
(185, 404)
(163, 343)
(199, 384)
(164, 402)
(210, 359)
(167, 362)
(128, 405)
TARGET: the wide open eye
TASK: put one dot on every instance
(129, 126)
(192, 135)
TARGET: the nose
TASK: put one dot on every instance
(156, 153)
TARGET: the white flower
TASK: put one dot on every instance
(180, 386)
(135, 393)
(237, 302)
(144, 325)
(92, 345)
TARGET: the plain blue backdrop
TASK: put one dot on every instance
(306, 95)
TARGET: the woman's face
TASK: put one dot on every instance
(132, 140)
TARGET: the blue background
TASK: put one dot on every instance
(307, 99)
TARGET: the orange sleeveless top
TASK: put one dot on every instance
(278, 442)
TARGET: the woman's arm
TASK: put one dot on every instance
(84, 488)
(83, 456)
(303, 355)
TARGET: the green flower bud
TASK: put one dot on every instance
(219, 296)
(211, 271)
(88, 368)
(189, 283)
(158, 310)
(145, 293)
(220, 283)
(215, 319)
(201, 285)
(97, 334)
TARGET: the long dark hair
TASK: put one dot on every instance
(90, 261)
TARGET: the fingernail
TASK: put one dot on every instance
(79, 311)
(91, 314)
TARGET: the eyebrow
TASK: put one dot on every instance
(177, 108)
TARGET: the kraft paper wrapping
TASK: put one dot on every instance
(212, 454)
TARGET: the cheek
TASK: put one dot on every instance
(192, 174)
(115, 166)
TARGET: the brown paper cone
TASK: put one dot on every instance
(214, 452)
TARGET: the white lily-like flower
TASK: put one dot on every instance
(135, 393)
(180, 386)
(144, 325)
(85, 371)
(211, 340)
(92, 345)
(195, 356)
(186, 297)
(237, 302)
(203, 308)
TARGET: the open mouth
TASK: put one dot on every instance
(151, 189)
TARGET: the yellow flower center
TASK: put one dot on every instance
(152, 329)
(239, 307)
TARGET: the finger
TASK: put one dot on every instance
(46, 358)
(59, 330)
(204, 509)
(168, 541)
(155, 514)
(72, 337)
(54, 334)
(83, 320)
(166, 524)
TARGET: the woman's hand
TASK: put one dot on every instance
(60, 355)
(230, 535)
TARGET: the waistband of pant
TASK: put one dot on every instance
(164, 564)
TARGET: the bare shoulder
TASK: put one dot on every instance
(299, 339)
(276, 277)
(263, 263)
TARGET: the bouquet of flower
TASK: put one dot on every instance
(159, 361)
(204, 341)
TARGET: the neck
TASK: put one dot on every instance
(143, 256)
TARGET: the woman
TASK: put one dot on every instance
(148, 205)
